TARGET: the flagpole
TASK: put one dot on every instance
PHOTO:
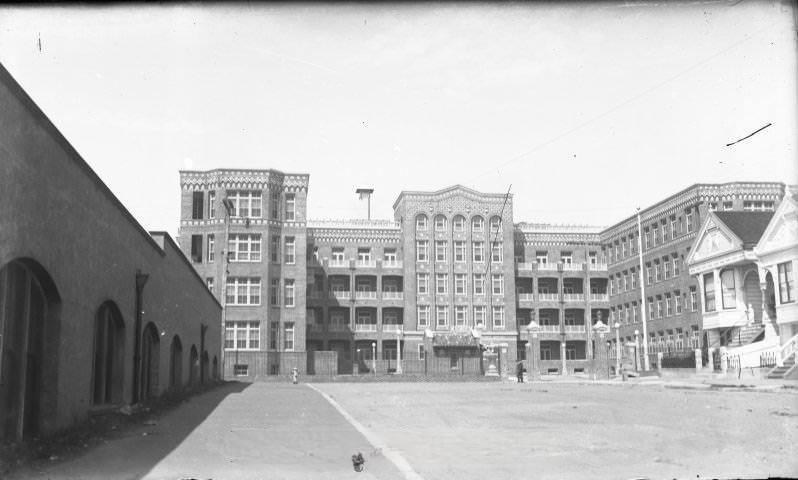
(643, 303)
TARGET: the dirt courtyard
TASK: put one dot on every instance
(450, 431)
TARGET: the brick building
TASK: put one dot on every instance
(95, 311)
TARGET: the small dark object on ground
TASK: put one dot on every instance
(358, 461)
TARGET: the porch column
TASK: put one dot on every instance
(562, 357)
(767, 322)
(718, 291)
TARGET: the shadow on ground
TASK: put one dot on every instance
(96, 448)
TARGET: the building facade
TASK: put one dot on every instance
(452, 283)
(95, 312)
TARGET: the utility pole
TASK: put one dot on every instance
(643, 303)
(228, 212)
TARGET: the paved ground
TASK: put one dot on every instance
(455, 431)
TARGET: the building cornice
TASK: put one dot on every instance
(234, 179)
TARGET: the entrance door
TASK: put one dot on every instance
(753, 295)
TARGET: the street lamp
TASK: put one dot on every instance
(374, 357)
(637, 347)
(533, 328)
(617, 348)
(399, 350)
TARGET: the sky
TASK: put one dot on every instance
(583, 111)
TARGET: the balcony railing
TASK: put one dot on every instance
(574, 297)
(599, 297)
(365, 327)
(391, 327)
(366, 263)
(574, 328)
(393, 295)
(339, 263)
(546, 266)
(550, 328)
(573, 267)
(524, 266)
(597, 267)
(366, 294)
(392, 264)
(341, 294)
(548, 297)
(526, 297)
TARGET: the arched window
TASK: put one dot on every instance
(150, 361)
(728, 289)
(193, 366)
(477, 224)
(440, 223)
(176, 365)
(421, 222)
(495, 224)
(109, 358)
(458, 224)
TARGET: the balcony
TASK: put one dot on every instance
(393, 295)
(526, 297)
(339, 262)
(524, 266)
(546, 267)
(548, 297)
(366, 295)
(550, 328)
(341, 295)
(365, 327)
(597, 267)
(575, 329)
(573, 297)
(599, 297)
(573, 267)
(362, 263)
(392, 264)
(392, 327)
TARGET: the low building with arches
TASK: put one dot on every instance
(95, 311)
(744, 263)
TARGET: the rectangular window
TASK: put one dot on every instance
(209, 283)
(693, 299)
(441, 283)
(459, 251)
(241, 370)
(389, 257)
(658, 270)
(786, 283)
(289, 292)
(196, 248)
(688, 215)
(655, 234)
(498, 316)
(243, 291)
(647, 238)
(440, 223)
(495, 224)
(649, 274)
(634, 276)
(211, 204)
(421, 222)
(668, 305)
(479, 316)
(712, 206)
(338, 255)
(274, 249)
(667, 267)
(275, 205)
(542, 258)
(478, 250)
(364, 256)
(459, 283)
(423, 315)
(727, 206)
(421, 352)
(623, 247)
(421, 251)
(211, 250)
(242, 335)
(727, 288)
(460, 319)
(289, 251)
(290, 207)
(244, 247)
(709, 292)
(246, 204)
(676, 266)
(422, 281)
(288, 341)
(496, 252)
(674, 229)
(459, 223)
(479, 284)
(592, 258)
(274, 292)
(442, 315)
(660, 307)
(197, 200)
(497, 284)
(678, 299)
(440, 251)
(757, 206)
(274, 333)
(650, 308)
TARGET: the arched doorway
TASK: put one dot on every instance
(770, 297)
(176, 363)
(150, 359)
(204, 370)
(29, 305)
(108, 366)
(193, 367)
(753, 295)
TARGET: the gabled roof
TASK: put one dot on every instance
(748, 226)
